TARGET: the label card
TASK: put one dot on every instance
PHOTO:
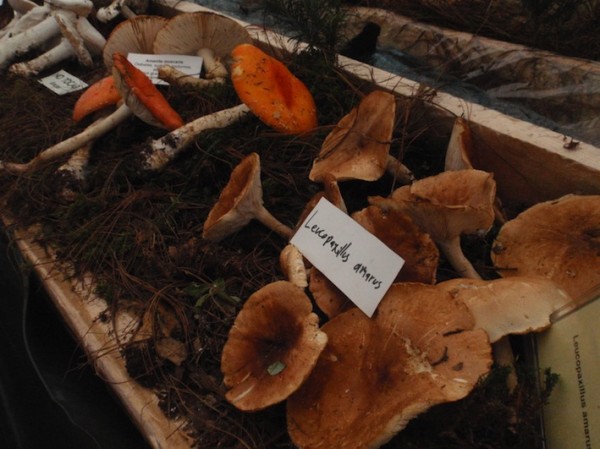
(571, 348)
(63, 82)
(358, 263)
(149, 64)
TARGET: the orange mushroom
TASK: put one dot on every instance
(98, 96)
(273, 93)
(142, 96)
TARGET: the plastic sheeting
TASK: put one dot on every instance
(557, 92)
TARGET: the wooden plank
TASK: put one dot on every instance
(81, 310)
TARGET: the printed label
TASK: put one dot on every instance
(149, 64)
(62, 83)
(571, 348)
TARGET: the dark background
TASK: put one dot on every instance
(50, 396)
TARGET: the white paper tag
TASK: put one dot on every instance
(63, 82)
(149, 64)
(356, 261)
(571, 348)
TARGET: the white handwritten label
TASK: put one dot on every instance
(356, 261)
(63, 82)
(571, 348)
(149, 64)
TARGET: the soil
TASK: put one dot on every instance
(138, 233)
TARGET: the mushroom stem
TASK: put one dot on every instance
(267, 219)
(92, 132)
(73, 173)
(176, 77)
(62, 51)
(457, 259)
(213, 68)
(21, 43)
(399, 171)
(161, 151)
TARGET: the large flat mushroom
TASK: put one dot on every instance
(512, 306)
(271, 91)
(272, 347)
(240, 202)
(557, 239)
(375, 375)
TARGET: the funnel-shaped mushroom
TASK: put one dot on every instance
(271, 91)
(358, 147)
(272, 347)
(240, 202)
(447, 205)
(420, 349)
(558, 240)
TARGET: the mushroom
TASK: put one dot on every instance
(211, 36)
(358, 147)
(271, 348)
(419, 349)
(557, 239)
(62, 25)
(515, 305)
(293, 266)
(141, 98)
(134, 35)
(445, 206)
(399, 232)
(458, 157)
(241, 201)
(267, 88)
(127, 8)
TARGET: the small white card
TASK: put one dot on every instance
(571, 348)
(62, 83)
(149, 64)
(356, 261)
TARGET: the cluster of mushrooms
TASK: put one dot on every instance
(355, 381)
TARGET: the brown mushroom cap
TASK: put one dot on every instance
(134, 35)
(516, 305)
(446, 206)
(272, 347)
(271, 91)
(328, 298)
(558, 240)
(398, 231)
(375, 375)
(185, 34)
(358, 147)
